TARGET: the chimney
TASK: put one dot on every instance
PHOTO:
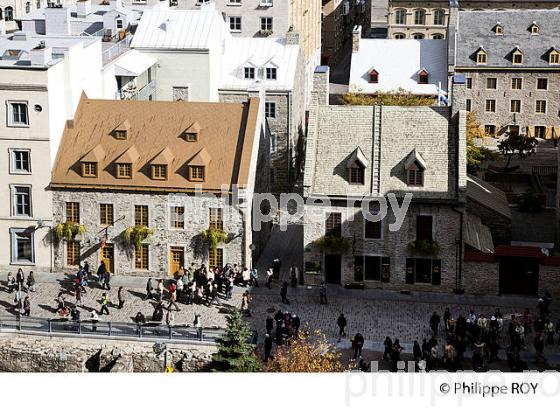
(41, 55)
(320, 93)
(356, 35)
(292, 37)
(83, 8)
(57, 20)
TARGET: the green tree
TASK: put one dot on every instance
(517, 144)
(475, 154)
(234, 353)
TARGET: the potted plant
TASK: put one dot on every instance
(427, 247)
(333, 244)
(69, 230)
(137, 234)
(213, 237)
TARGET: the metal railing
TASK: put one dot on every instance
(117, 49)
(109, 330)
(142, 94)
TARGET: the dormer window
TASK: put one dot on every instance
(121, 131)
(197, 173)
(356, 175)
(423, 76)
(89, 169)
(249, 73)
(124, 171)
(373, 76)
(159, 171)
(534, 29)
(517, 57)
(554, 57)
(121, 134)
(271, 73)
(191, 133)
(415, 166)
(356, 165)
(481, 56)
(498, 29)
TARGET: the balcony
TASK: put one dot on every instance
(112, 50)
(132, 93)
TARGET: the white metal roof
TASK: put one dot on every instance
(259, 53)
(133, 63)
(398, 63)
(178, 29)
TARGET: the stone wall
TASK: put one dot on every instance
(481, 277)
(25, 353)
(159, 216)
(503, 94)
(500, 226)
(549, 280)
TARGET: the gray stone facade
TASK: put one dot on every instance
(387, 136)
(159, 219)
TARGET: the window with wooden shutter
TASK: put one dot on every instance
(105, 214)
(373, 229)
(141, 257)
(215, 258)
(72, 253)
(215, 218)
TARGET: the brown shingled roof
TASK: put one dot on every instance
(227, 134)
(165, 157)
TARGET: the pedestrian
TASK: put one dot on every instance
(157, 316)
(284, 293)
(26, 306)
(31, 282)
(267, 347)
(296, 323)
(139, 319)
(197, 323)
(323, 293)
(269, 276)
(11, 282)
(61, 302)
(388, 348)
(160, 289)
(358, 343)
(120, 297)
(20, 279)
(75, 314)
(245, 299)
(254, 277)
(293, 276)
(549, 330)
(77, 294)
(229, 291)
(416, 351)
(94, 320)
(173, 299)
(276, 265)
(341, 322)
(434, 323)
(107, 281)
(101, 273)
(446, 319)
(539, 346)
(104, 304)
(149, 289)
(18, 300)
(87, 271)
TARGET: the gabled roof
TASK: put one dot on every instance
(96, 154)
(201, 159)
(399, 71)
(230, 142)
(165, 157)
(487, 195)
(194, 128)
(476, 27)
(415, 158)
(357, 156)
(128, 157)
(123, 126)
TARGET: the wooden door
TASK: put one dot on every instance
(108, 256)
(176, 259)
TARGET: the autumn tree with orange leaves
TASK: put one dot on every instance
(310, 353)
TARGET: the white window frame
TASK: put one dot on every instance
(14, 260)
(235, 19)
(545, 106)
(10, 113)
(266, 3)
(245, 71)
(13, 169)
(269, 27)
(172, 217)
(267, 105)
(14, 202)
(271, 70)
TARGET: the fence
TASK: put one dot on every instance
(109, 330)
(117, 49)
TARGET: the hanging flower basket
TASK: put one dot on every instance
(213, 237)
(137, 234)
(427, 247)
(333, 244)
(68, 230)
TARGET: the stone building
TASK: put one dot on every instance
(339, 19)
(170, 167)
(505, 68)
(429, 18)
(355, 153)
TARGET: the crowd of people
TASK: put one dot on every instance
(280, 329)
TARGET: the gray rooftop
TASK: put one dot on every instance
(476, 29)
(487, 195)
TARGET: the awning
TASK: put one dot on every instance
(133, 63)
(519, 251)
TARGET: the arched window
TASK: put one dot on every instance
(9, 13)
(418, 36)
(419, 17)
(400, 16)
(437, 36)
(439, 17)
(399, 36)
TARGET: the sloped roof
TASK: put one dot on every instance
(96, 154)
(415, 157)
(407, 58)
(487, 195)
(357, 155)
(202, 158)
(165, 157)
(154, 127)
(193, 128)
(123, 126)
(478, 235)
(475, 28)
(128, 157)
